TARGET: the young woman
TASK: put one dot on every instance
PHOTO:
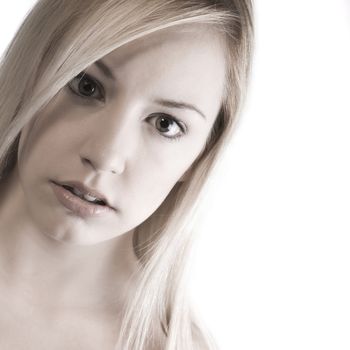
(112, 116)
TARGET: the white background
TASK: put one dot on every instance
(272, 267)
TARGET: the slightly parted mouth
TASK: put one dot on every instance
(81, 189)
(74, 191)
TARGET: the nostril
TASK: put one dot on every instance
(86, 161)
(114, 170)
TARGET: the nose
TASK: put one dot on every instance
(119, 169)
(110, 142)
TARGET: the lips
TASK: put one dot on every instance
(85, 190)
(83, 196)
(78, 206)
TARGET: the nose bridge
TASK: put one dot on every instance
(113, 138)
(115, 127)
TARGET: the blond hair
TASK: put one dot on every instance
(60, 38)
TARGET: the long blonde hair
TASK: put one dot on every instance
(60, 38)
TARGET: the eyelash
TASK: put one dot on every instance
(90, 78)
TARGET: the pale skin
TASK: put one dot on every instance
(66, 275)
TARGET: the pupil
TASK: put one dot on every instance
(87, 87)
(164, 123)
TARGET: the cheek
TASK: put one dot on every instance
(144, 198)
(44, 134)
(157, 171)
(33, 147)
(153, 181)
(40, 150)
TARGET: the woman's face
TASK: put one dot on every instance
(131, 137)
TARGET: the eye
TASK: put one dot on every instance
(168, 126)
(86, 86)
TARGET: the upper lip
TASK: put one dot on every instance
(85, 190)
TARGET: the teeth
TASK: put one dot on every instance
(85, 196)
(90, 198)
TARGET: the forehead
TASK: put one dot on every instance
(186, 62)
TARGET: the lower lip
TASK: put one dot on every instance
(77, 205)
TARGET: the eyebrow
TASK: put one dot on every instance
(179, 104)
(162, 102)
(105, 69)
